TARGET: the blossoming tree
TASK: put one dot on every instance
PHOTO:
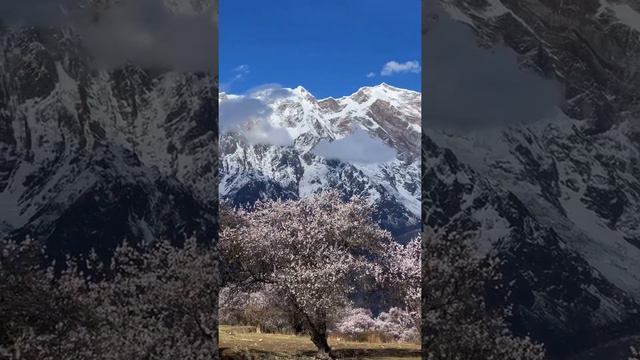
(313, 252)
(153, 303)
(456, 322)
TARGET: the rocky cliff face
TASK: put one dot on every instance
(90, 157)
(557, 199)
(591, 46)
(257, 170)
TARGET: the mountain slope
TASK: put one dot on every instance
(253, 170)
(557, 199)
(91, 157)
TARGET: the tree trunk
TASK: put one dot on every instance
(318, 331)
(297, 322)
(319, 339)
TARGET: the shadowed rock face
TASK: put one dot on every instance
(251, 172)
(91, 157)
(557, 199)
(559, 295)
(391, 119)
(590, 46)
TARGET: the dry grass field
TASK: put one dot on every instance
(243, 343)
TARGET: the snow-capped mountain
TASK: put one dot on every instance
(90, 157)
(557, 199)
(252, 170)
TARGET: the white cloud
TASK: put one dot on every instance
(238, 110)
(262, 132)
(142, 32)
(239, 72)
(358, 147)
(268, 93)
(242, 69)
(371, 75)
(393, 67)
(249, 115)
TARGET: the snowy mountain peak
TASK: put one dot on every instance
(263, 165)
(387, 113)
(384, 85)
(301, 90)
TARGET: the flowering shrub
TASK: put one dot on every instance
(396, 323)
(158, 303)
(357, 321)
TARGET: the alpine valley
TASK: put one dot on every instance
(558, 200)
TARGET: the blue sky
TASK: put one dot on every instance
(330, 47)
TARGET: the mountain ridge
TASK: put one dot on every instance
(75, 136)
(555, 199)
(309, 121)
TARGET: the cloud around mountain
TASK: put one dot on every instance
(469, 87)
(148, 33)
(249, 115)
(358, 147)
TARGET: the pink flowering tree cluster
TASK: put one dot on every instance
(314, 253)
(397, 323)
(402, 278)
(357, 321)
(400, 275)
(156, 303)
(456, 322)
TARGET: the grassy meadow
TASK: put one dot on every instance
(243, 342)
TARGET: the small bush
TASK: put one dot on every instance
(394, 325)
(399, 324)
(356, 321)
